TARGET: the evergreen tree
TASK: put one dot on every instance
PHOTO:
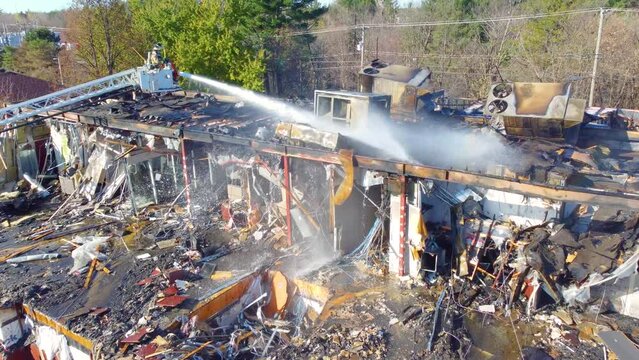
(35, 56)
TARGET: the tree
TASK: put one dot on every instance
(275, 21)
(35, 56)
(43, 34)
(622, 3)
(369, 6)
(104, 34)
(207, 37)
(8, 56)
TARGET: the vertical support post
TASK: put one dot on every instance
(194, 173)
(402, 225)
(60, 70)
(331, 209)
(130, 185)
(185, 171)
(287, 185)
(174, 171)
(209, 160)
(596, 60)
(155, 189)
(362, 48)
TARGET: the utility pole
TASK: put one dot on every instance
(594, 64)
(361, 48)
(59, 70)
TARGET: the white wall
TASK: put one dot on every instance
(523, 211)
(11, 332)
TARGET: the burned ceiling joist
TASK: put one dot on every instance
(559, 193)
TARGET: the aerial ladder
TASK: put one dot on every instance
(157, 75)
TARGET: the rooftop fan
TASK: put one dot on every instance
(500, 91)
(497, 106)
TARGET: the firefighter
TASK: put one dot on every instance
(155, 58)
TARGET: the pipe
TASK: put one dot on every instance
(155, 189)
(209, 161)
(185, 172)
(129, 185)
(175, 183)
(287, 185)
(34, 257)
(194, 173)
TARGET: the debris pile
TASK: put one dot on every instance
(170, 226)
(339, 342)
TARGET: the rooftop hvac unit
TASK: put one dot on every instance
(536, 109)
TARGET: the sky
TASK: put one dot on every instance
(11, 6)
(50, 5)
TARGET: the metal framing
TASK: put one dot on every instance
(402, 226)
(68, 96)
(287, 185)
(558, 193)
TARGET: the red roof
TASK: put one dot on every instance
(16, 87)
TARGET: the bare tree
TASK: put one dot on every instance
(103, 33)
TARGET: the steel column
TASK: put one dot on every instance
(402, 225)
(155, 189)
(185, 172)
(287, 185)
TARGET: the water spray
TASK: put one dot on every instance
(275, 106)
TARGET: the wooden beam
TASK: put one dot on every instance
(43, 319)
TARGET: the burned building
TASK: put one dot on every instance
(172, 224)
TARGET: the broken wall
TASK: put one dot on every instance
(10, 326)
(23, 151)
(355, 217)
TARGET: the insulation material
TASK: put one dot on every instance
(87, 252)
(95, 172)
(60, 143)
(622, 287)
(52, 344)
(78, 354)
(172, 144)
(307, 134)
(416, 235)
(346, 187)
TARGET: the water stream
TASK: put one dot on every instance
(378, 136)
(271, 105)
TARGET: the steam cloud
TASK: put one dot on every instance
(435, 143)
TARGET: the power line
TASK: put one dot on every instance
(464, 56)
(456, 22)
(337, 67)
(445, 22)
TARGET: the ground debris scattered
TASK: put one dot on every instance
(338, 341)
